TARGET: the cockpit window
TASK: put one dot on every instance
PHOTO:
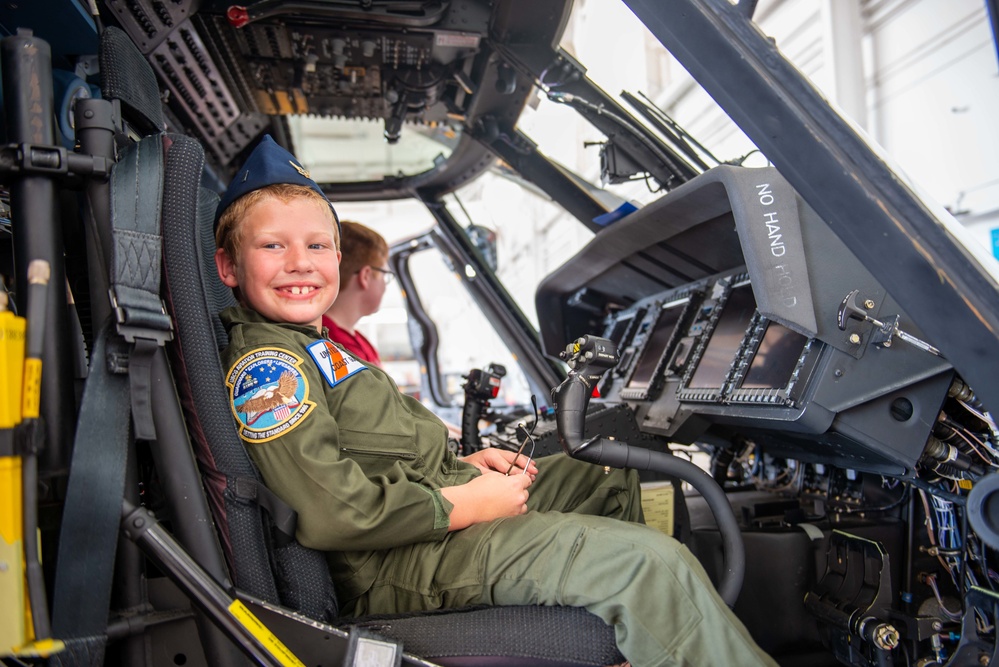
(341, 150)
(533, 235)
(639, 65)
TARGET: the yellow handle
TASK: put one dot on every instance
(274, 645)
(13, 604)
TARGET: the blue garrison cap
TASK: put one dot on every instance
(268, 164)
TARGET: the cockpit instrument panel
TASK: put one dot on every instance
(752, 339)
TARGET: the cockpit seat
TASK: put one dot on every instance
(263, 562)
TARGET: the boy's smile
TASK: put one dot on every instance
(287, 264)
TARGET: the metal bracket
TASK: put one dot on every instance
(36, 159)
(137, 322)
(884, 331)
(883, 334)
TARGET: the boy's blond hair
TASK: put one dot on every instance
(228, 231)
(361, 246)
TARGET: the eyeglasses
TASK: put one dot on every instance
(389, 276)
(525, 437)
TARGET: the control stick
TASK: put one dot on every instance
(588, 358)
(481, 386)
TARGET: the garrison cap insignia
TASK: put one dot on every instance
(268, 393)
(335, 364)
(300, 169)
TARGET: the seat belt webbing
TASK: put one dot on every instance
(91, 517)
(89, 537)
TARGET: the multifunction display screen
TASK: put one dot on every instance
(725, 341)
(655, 346)
(775, 358)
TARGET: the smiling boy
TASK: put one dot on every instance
(286, 272)
(406, 524)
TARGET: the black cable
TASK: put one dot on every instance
(742, 158)
(936, 491)
(905, 651)
(95, 14)
(462, 207)
(648, 186)
(963, 561)
(884, 508)
(676, 127)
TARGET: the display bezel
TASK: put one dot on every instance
(681, 306)
(784, 395)
(713, 394)
(632, 320)
(622, 324)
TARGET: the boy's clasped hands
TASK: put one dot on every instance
(494, 494)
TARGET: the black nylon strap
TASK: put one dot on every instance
(136, 194)
(89, 534)
(140, 361)
(135, 215)
(284, 517)
(83, 652)
(89, 537)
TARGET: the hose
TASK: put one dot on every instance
(620, 455)
(589, 357)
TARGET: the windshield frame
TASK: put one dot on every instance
(491, 296)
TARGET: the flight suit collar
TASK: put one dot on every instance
(235, 315)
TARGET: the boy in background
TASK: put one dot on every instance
(364, 275)
(406, 524)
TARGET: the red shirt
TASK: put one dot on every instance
(354, 343)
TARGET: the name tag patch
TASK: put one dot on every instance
(335, 364)
(268, 393)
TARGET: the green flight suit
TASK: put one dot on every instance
(363, 465)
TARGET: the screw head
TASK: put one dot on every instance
(868, 304)
(855, 339)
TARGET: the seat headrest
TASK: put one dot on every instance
(127, 76)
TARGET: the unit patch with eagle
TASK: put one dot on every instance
(269, 393)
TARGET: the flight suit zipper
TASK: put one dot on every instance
(405, 456)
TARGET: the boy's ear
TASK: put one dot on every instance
(226, 268)
(364, 277)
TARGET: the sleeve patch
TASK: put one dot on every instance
(268, 393)
(335, 364)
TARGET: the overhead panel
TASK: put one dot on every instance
(198, 93)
